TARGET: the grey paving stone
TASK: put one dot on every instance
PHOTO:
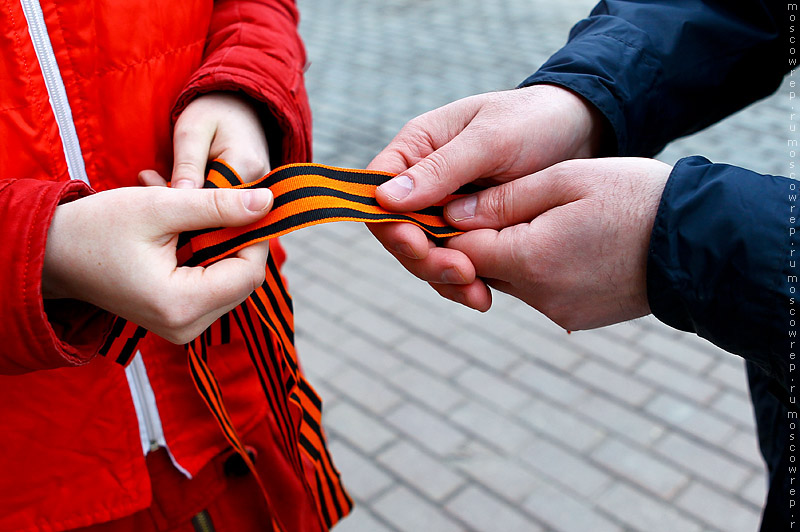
(642, 512)
(736, 408)
(431, 355)
(375, 357)
(572, 471)
(492, 387)
(640, 468)
(678, 380)
(755, 491)
(501, 474)
(546, 382)
(732, 376)
(561, 425)
(368, 391)
(485, 513)
(490, 426)
(690, 417)
(744, 444)
(429, 319)
(317, 326)
(433, 432)
(380, 328)
(319, 361)
(675, 350)
(483, 350)
(334, 301)
(328, 395)
(423, 472)
(361, 477)
(361, 520)
(437, 393)
(359, 429)
(598, 345)
(712, 508)
(566, 513)
(407, 511)
(618, 384)
(622, 420)
(703, 462)
(536, 345)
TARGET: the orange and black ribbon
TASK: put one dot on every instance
(304, 195)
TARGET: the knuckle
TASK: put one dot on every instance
(498, 204)
(416, 135)
(434, 169)
(186, 168)
(416, 128)
(252, 166)
(186, 133)
(218, 204)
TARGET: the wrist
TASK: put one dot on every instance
(583, 123)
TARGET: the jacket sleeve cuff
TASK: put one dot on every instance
(719, 263)
(36, 335)
(285, 115)
(254, 48)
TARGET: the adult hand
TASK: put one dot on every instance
(116, 250)
(570, 241)
(490, 138)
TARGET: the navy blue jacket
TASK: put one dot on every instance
(720, 262)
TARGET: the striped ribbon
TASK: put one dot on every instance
(304, 195)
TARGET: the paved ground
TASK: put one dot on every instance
(445, 419)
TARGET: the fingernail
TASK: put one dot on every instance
(398, 187)
(406, 250)
(452, 276)
(183, 183)
(462, 209)
(257, 200)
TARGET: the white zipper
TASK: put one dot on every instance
(150, 429)
(55, 89)
(144, 401)
(151, 432)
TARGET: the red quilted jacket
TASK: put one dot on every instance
(71, 454)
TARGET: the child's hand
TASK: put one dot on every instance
(116, 250)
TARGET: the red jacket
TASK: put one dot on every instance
(71, 454)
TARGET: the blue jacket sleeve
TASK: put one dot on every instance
(721, 260)
(661, 69)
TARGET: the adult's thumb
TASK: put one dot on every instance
(207, 208)
(511, 203)
(460, 161)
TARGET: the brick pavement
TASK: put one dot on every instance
(444, 419)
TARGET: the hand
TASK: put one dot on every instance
(490, 139)
(570, 241)
(116, 250)
(217, 125)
